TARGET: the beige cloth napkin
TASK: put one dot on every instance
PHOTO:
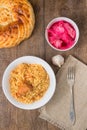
(57, 110)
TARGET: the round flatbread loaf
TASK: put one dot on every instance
(16, 22)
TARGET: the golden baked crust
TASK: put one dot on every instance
(16, 22)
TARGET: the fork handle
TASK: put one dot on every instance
(72, 109)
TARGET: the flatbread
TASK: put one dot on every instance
(17, 21)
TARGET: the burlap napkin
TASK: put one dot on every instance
(57, 110)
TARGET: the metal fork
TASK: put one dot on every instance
(71, 81)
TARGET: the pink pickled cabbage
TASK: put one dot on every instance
(61, 35)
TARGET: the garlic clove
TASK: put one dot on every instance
(58, 60)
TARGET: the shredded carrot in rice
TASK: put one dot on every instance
(28, 82)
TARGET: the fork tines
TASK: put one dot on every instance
(71, 73)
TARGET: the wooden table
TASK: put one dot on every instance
(12, 118)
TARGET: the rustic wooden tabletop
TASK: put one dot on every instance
(12, 118)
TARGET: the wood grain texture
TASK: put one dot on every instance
(12, 118)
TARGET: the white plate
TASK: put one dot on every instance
(49, 93)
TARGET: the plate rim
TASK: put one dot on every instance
(43, 100)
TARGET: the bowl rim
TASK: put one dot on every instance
(67, 20)
(48, 94)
